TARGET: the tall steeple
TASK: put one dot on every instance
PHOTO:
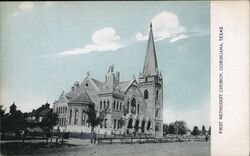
(151, 86)
(150, 64)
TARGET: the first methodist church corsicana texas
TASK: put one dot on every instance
(129, 107)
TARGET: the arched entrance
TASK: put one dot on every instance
(130, 122)
(143, 126)
(148, 125)
(136, 125)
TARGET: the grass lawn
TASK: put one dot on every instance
(154, 149)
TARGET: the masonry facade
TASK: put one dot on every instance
(129, 107)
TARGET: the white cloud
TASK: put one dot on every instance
(165, 25)
(104, 39)
(179, 37)
(140, 37)
(26, 6)
(23, 8)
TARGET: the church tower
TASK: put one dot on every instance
(151, 85)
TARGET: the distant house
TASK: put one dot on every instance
(37, 115)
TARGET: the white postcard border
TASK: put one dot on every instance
(230, 90)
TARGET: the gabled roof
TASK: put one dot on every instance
(44, 112)
(124, 85)
(69, 94)
(33, 113)
(41, 111)
(97, 82)
(82, 98)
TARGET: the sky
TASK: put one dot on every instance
(47, 46)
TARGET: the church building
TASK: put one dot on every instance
(128, 107)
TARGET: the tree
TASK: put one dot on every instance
(14, 121)
(3, 121)
(103, 115)
(181, 127)
(48, 122)
(13, 108)
(2, 111)
(203, 130)
(93, 120)
(171, 128)
(165, 129)
(195, 131)
(17, 122)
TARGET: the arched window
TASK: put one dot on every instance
(157, 113)
(83, 117)
(108, 104)
(138, 108)
(100, 104)
(133, 106)
(76, 117)
(117, 105)
(143, 126)
(157, 127)
(66, 110)
(118, 124)
(104, 104)
(70, 116)
(146, 79)
(128, 107)
(146, 94)
(114, 104)
(157, 94)
(148, 125)
(136, 125)
(105, 123)
(120, 106)
(114, 123)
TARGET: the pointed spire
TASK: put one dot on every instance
(150, 64)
